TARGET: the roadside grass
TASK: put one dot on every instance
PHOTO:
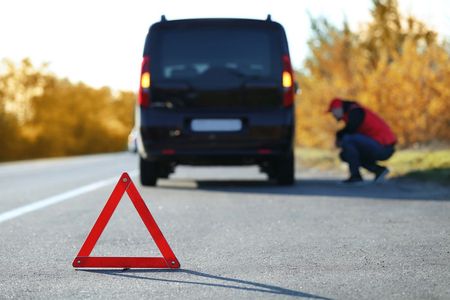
(321, 159)
(429, 165)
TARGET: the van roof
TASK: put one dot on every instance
(231, 22)
(215, 21)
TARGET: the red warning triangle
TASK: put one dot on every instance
(83, 260)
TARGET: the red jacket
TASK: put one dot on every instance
(369, 124)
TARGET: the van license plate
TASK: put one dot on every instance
(225, 125)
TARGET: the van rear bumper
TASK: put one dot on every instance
(168, 136)
(223, 158)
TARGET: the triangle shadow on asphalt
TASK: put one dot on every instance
(223, 282)
(393, 189)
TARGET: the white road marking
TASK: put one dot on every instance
(20, 211)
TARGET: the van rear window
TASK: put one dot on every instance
(188, 52)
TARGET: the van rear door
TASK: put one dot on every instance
(220, 65)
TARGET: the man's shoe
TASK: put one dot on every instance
(354, 180)
(380, 175)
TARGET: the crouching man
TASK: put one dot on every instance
(364, 140)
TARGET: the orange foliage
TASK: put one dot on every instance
(42, 115)
(395, 66)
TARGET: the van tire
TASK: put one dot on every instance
(164, 169)
(148, 172)
(285, 169)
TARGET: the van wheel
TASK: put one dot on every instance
(148, 172)
(285, 169)
(165, 169)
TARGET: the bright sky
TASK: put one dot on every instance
(100, 42)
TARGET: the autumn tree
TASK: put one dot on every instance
(42, 115)
(394, 65)
(18, 83)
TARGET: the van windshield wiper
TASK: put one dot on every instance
(250, 80)
(245, 77)
(178, 85)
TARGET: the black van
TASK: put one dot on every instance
(216, 92)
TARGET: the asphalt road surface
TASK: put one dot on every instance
(235, 235)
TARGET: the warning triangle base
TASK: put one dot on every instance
(83, 260)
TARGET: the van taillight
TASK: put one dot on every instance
(287, 82)
(145, 83)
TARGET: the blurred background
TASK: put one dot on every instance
(69, 70)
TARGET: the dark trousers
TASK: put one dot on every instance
(362, 151)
